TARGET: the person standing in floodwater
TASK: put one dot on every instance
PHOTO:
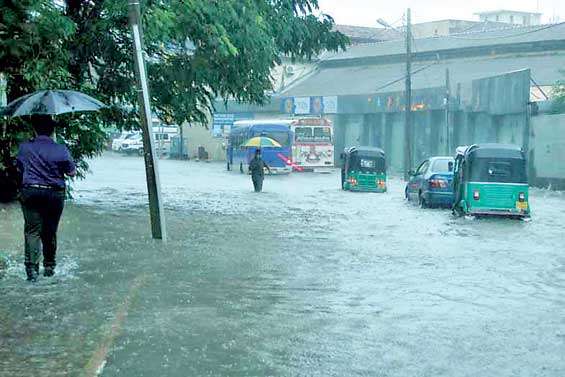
(257, 168)
(43, 165)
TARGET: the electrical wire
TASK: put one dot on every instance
(404, 77)
(484, 23)
(539, 87)
(507, 36)
(400, 19)
(415, 51)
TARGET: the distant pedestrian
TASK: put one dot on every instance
(257, 168)
(43, 165)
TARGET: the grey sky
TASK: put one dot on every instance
(365, 12)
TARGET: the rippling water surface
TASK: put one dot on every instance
(303, 279)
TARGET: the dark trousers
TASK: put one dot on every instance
(257, 182)
(42, 209)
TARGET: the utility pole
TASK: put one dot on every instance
(181, 142)
(408, 99)
(447, 104)
(158, 230)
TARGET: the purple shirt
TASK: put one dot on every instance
(44, 162)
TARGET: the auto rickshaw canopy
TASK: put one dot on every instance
(366, 158)
(493, 163)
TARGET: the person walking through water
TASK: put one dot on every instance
(257, 168)
(43, 165)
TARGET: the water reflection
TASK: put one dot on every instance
(303, 279)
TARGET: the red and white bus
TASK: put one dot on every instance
(313, 147)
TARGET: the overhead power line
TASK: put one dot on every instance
(404, 77)
(507, 36)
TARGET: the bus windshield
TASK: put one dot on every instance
(322, 134)
(303, 133)
(281, 137)
(313, 134)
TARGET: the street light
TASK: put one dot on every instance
(382, 22)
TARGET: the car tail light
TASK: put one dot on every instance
(522, 197)
(352, 181)
(438, 183)
(476, 195)
(380, 183)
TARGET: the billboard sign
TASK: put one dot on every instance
(223, 122)
(316, 105)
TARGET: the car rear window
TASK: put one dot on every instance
(442, 166)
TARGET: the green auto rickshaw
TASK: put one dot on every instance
(491, 179)
(364, 169)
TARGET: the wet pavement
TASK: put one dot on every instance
(301, 280)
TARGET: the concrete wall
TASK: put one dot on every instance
(546, 139)
(386, 130)
(548, 150)
(395, 142)
(472, 128)
(198, 135)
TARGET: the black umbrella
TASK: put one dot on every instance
(52, 102)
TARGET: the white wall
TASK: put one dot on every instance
(513, 18)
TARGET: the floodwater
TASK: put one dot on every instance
(301, 280)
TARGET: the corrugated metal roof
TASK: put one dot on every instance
(504, 36)
(366, 79)
(484, 26)
(507, 11)
(366, 33)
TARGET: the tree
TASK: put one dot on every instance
(558, 92)
(198, 51)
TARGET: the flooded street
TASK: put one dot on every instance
(301, 280)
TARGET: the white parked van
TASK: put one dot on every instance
(162, 137)
(125, 136)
